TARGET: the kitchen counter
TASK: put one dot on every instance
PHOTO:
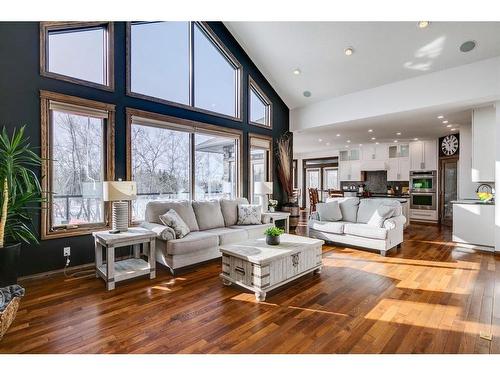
(474, 223)
(473, 201)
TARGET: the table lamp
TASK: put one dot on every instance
(263, 189)
(120, 193)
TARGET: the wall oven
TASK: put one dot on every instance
(423, 181)
(423, 201)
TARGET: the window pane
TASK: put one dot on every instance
(214, 77)
(215, 167)
(77, 169)
(259, 164)
(160, 166)
(258, 109)
(160, 60)
(78, 53)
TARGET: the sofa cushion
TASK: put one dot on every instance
(335, 227)
(172, 219)
(381, 214)
(194, 241)
(156, 208)
(348, 207)
(254, 231)
(229, 235)
(208, 214)
(229, 208)
(162, 231)
(368, 207)
(365, 230)
(249, 214)
(329, 211)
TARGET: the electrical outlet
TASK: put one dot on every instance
(67, 251)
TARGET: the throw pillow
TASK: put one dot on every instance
(381, 214)
(173, 220)
(162, 232)
(249, 214)
(329, 211)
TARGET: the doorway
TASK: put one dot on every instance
(448, 186)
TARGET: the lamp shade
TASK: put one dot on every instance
(261, 188)
(119, 190)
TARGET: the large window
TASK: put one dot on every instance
(176, 159)
(183, 63)
(78, 157)
(260, 163)
(259, 106)
(80, 52)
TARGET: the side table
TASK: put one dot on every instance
(112, 271)
(271, 217)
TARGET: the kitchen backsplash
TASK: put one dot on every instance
(376, 182)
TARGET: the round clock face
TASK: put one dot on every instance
(449, 145)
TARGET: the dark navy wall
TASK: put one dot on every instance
(20, 83)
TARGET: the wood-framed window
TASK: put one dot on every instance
(78, 52)
(173, 158)
(78, 155)
(183, 64)
(260, 162)
(260, 108)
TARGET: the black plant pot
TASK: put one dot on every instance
(9, 264)
(272, 240)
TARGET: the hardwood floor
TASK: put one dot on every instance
(430, 297)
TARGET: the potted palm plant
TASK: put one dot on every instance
(20, 197)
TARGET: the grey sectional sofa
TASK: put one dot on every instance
(353, 228)
(212, 223)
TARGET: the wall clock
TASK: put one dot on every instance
(448, 146)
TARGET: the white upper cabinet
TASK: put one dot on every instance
(483, 144)
(350, 165)
(398, 151)
(423, 155)
(398, 169)
(375, 152)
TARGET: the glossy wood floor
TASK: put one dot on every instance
(430, 297)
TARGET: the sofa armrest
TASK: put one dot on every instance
(394, 222)
(314, 216)
(162, 231)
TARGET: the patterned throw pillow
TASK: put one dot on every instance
(249, 214)
(173, 220)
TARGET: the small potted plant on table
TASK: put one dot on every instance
(273, 203)
(273, 235)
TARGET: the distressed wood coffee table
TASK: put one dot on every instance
(259, 267)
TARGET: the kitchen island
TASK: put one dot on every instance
(474, 223)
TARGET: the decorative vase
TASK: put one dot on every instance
(272, 240)
(271, 209)
(9, 264)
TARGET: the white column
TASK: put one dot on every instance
(497, 177)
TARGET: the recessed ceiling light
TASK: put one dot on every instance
(468, 46)
(348, 51)
(348, 141)
(423, 24)
(338, 135)
(376, 143)
(440, 117)
(453, 129)
(307, 94)
(415, 139)
(395, 141)
(320, 140)
(360, 145)
(398, 133)
(328, 143)
(449, 125)
(370, 130)
(346, 145)
(445, 121)
(296, 71)
(373, 138)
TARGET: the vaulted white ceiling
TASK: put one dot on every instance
(384, 52)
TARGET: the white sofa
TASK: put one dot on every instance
(353, 229)
(212, 223)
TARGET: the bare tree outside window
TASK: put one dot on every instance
(78, 169)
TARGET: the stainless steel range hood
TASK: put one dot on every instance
(373, 165)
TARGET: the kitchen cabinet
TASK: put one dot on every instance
(424, 155)
(375, 152)
(398, 151)
(474, 224)
(483, 144)
(398, 169)
(350, 170)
